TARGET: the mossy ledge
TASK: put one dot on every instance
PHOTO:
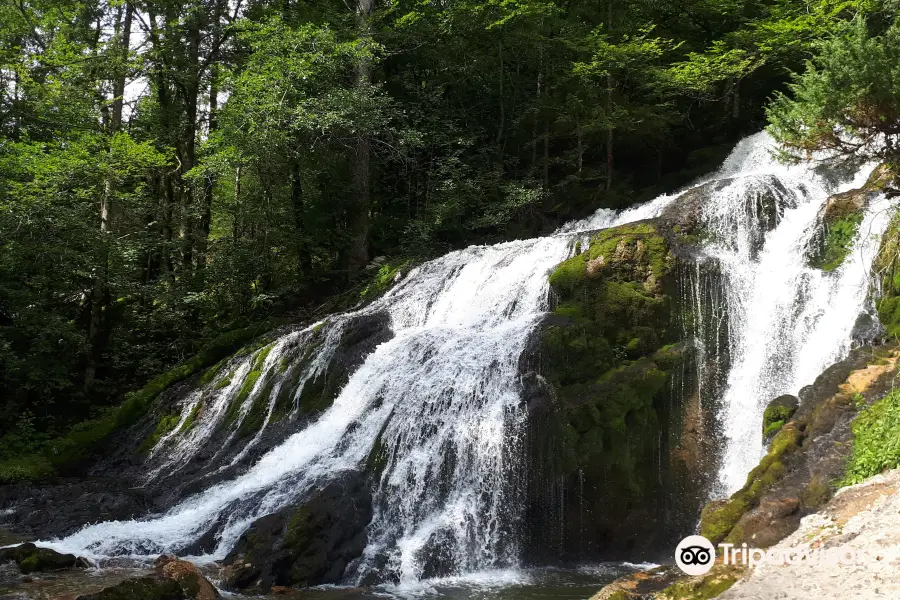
(66, 454)
(887, 266)
(719, 520)
(669, 583)
(808, 456)
(842, 217)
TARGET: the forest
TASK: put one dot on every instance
(173, 174)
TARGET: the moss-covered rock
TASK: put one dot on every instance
(141, 588)
(719, 520)
(304, 545)
(705, 587)
(684, 221)
(640, 585)
(887, 266)
(777, 413)
(807, 456)
(69, 453)
(31, 558)
(192, 582)
(607, 355)
(841, 218)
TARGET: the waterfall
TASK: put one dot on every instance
(440, 397)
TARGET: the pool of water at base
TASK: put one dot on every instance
(578, 583)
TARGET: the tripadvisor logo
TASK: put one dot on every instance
(695, 555)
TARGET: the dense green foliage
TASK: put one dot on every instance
(876, 445)
(847, 100)
(172, 170)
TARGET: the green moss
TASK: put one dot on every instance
(772, 428)
(608, 355)
(839, 237)
(31, 558)
(383, 280)
(816, 494)
(774, 418)
(569, 274)
(225, 381)
(234, 408)
(887, 264)
(718, 519)
(29, 565)
(256, 415)
(165, 424)
(191, 419)
(711, 586)
(84, 440)
(876, 444)
(211, 373)
(25, 468)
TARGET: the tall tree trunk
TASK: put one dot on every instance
(304, 261)
(100, 292)
(546, 154)
(188, 143)
(502, 110)
(609, 105)
(209, 183)
(236, 222)
(359, 217)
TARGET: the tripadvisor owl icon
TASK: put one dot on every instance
(695, 555)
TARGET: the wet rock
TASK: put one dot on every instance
(639, 585)
(141, 588)
(188, 576)
(174, 579)
(777, 413)
(868, 331)
(807, 455)
(31, 558)
(598, 394)
(684, 220)
(61, 507)
(310, 543)
(213, 463)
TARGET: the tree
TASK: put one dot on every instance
(847, 102)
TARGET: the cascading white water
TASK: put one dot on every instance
(787, 321)
(442, 397)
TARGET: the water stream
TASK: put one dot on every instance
(442, 396)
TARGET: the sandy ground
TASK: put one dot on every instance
(863, 519)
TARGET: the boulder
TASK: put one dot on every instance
(777, 413)
(60, 507)
(174, 579)
(687, 223)
(600, 398)
(141, 588)
(188, 576)
(31, 558)
(310, 543)
(841, 217)
(868, 331)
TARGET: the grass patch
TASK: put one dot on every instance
(876, 444)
